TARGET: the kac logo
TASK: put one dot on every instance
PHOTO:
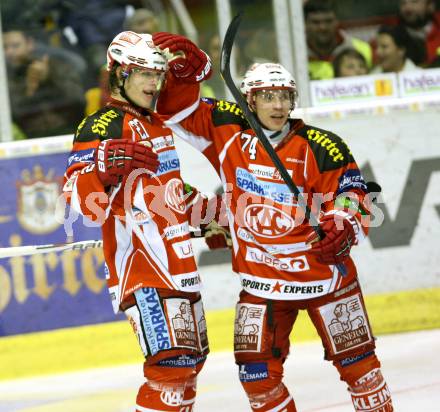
(268, 221)
(174, 196)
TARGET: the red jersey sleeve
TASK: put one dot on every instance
(82, 188)
(207, 124)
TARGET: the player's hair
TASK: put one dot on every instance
(113, 79)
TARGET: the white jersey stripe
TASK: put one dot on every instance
(199, 142)
(178, 117)
(74, 200)
(280, 407)
(124, 249)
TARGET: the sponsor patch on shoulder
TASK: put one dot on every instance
(81, 156)
(351, 179)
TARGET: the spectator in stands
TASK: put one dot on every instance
(95, 23)
(325, 39)
(142, 21)
(214, 86)
(46, 93)
(349, 62)
(396, 51)
(423, 23)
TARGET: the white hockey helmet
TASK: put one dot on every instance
(267, 76)
(131, 49)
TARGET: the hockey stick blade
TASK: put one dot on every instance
(225, 71)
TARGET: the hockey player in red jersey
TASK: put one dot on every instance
(123, 172)
(283, 268)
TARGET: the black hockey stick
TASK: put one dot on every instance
(242, 103)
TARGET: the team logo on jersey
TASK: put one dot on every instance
(37, 199)
(137, 128)
(268, 221)
(183, 329)
(171, 398)
(346, 323)
(248, 327)
(174, 196)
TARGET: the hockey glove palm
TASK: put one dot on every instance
(339, 228)
(193, 66)
(117, 158)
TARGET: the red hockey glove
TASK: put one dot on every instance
(117, 158)
(194, 66)
(340, 235)
(216, 236)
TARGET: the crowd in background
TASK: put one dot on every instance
(55, 50)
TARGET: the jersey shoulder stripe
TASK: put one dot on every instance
(105, 123)
(225, 112)
(330, 151)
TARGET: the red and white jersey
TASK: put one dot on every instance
(144, 220)
(269, 233)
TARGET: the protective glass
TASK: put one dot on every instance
(286, 97)
(148, 74)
